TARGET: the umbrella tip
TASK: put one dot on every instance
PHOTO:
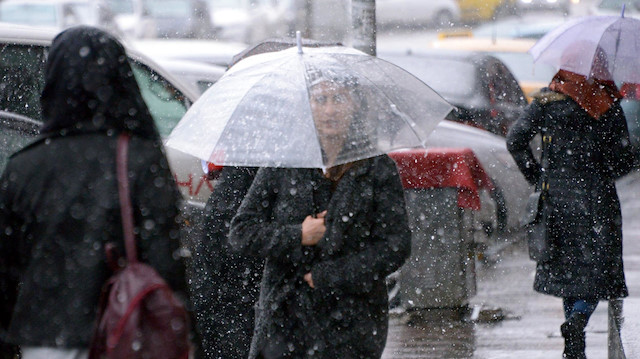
(299, 41)
(623, 6)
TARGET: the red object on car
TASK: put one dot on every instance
(444, 167)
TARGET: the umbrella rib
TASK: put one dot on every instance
(411, 125)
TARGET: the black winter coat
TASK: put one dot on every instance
(585, 157)
(59, 202)
(367, 237)
(58, 208)
(224, 285)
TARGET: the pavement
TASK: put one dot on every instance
(514, 321)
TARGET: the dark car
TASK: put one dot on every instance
(484, 91)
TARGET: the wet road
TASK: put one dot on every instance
(530, 329)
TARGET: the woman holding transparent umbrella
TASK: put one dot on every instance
(329, 238)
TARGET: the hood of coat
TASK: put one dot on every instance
(89, 83)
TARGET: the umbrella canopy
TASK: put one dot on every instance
(278, 44)
(604, 47)
(272, 110)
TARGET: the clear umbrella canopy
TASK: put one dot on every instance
(308, 108)
(604, 47)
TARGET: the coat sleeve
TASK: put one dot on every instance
(389, 244)
(255, 232)
(620, 155)
(158, 219)
(9, 238)
(519, 138)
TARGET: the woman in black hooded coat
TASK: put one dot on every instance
(59, 198)
(328, 239)
(585, 149)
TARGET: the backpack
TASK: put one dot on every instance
(138, 316)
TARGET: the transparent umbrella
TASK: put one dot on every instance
(308, 107)
(604, 47)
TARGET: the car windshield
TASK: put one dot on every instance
(445, 76)
(40, 14)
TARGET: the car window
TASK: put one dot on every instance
(29, 14)
(168, 8)
(503, 85)
(613, 4)
(522, 67)
(204, 85)
(445, 76)
(166, 103)
(21, 79)
(121, 6)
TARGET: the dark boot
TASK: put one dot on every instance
(574, 337)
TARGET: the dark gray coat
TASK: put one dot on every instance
(367, 238)
(585, 157)
(224, 285)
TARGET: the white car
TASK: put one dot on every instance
(212, 52)
(198, 75)
(439, 13)
(58, 14)
(133, 19)
(250, 21)
(22, 59)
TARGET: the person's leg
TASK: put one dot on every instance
(577, 313)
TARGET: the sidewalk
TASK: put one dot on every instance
(530, 322)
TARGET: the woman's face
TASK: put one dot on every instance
(333, 107)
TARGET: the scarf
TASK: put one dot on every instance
(593, 95)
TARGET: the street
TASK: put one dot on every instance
(531, 321)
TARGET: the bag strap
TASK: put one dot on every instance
(544, 157)
(126, 210)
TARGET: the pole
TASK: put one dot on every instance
(363, 26)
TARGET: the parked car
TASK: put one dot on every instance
(512, 52)
(23, 53)
(250, 21)
(58, 14)
(212, 52)
(416, 13)
(484, 91)
(562, 6)
(485, 10)
(527, 26)
(180, 18)
(132, 18)
(614, 7)
(198, 75)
